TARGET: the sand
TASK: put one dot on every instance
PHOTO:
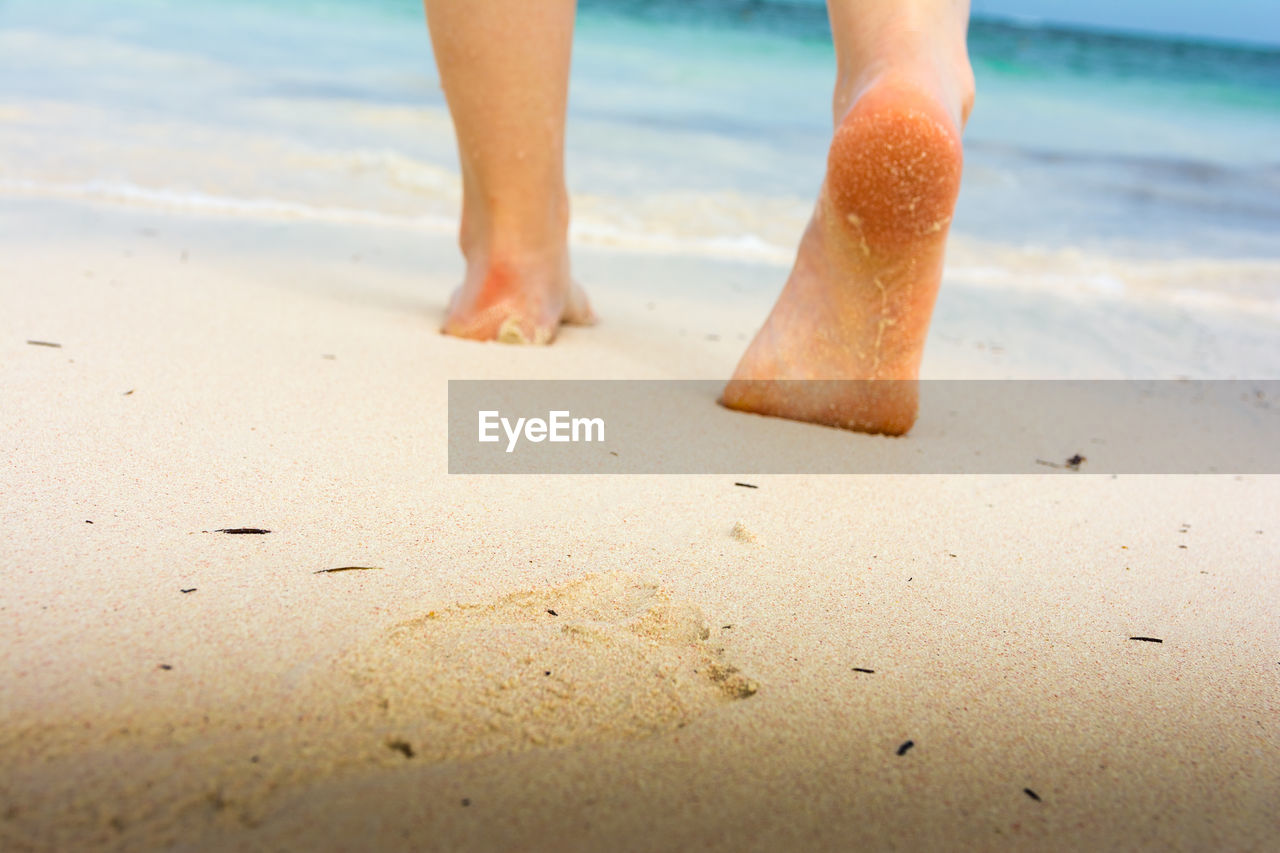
(572, 662)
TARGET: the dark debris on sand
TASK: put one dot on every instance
(401, 746)
(1072, 464)
(241, 530)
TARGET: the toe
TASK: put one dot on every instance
(517, 330)
(577, 308)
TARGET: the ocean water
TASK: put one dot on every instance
(1113, 165)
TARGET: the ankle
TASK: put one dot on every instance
(943, 72)
(521, 258)
(506, 266)
(530, 233)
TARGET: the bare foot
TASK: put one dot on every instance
(517, 301)
(856, 307)
(504, 68)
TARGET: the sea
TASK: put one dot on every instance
(1116, 165)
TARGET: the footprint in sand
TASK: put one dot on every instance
(608, 656)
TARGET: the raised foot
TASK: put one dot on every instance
(516, 303)
(857, 304)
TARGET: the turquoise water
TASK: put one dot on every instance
(692, 124)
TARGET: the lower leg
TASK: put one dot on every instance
(504, 67)
(858, 301)
(921, 39)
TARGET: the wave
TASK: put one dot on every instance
(192, 201)
(1200, 171)
(1239, 285)
(742, 246)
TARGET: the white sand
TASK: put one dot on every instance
(703, 689)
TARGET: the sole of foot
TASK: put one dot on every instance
(842, 345)
(516, 303)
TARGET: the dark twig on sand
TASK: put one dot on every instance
(1073, 463)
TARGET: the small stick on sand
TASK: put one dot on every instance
(1073, 463)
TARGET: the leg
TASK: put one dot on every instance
(504, 66)
(857, 303)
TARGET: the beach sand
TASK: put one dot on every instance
(571, 662)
